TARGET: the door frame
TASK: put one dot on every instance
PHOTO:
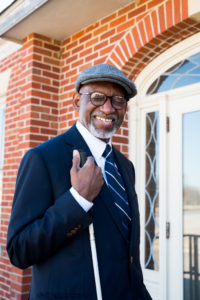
(160, 283)
(154, 280)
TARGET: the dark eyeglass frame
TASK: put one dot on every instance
(115, 104)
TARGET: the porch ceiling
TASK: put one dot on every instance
(59, 19)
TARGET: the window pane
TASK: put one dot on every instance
(152, 191)
(191, 205)
(184, 73)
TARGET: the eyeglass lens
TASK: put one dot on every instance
(99, 99)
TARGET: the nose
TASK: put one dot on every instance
(107, 106)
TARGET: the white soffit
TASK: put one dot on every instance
(57, 19)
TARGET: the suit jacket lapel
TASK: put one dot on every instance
(76, 141)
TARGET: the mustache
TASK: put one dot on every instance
(100, 114)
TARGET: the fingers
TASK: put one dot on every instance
(97, 172)
(90, 161)
(89, 164)
(76, 160)
(86, 180)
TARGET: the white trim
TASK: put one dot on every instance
(193, 7)
(163, 197)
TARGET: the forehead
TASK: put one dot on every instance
(104, 87)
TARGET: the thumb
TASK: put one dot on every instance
(76, 160)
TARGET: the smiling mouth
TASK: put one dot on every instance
(107, 120)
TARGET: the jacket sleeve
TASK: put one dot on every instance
(40, 225)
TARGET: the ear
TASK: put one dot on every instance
(76, 101)
(125, 110)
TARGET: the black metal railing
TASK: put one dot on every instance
(191, 267)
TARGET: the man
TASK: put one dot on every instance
(56, 200)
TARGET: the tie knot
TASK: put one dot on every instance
(107, 151)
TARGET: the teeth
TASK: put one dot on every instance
(104, 119)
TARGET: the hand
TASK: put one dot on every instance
(88, 180)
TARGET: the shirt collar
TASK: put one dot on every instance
(95, 145)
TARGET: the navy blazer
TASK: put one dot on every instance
(48, 229)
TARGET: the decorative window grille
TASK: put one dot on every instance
(152, 191)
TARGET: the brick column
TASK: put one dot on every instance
(31, 118)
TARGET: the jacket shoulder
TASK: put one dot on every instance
(56, 145)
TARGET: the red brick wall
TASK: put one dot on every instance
(41, 86)
(31, 118)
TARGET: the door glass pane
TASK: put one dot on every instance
(152, 191)
(191, 205)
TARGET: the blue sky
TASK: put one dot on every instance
(191, 148)
(4, 4)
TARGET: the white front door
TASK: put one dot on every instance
(183, 204)
(168, 186)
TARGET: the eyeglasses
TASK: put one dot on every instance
(98, 99)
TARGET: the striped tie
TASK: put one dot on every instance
(116, 185)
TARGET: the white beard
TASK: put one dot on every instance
(99, 134)
(96, 132)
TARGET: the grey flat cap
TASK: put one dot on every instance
(105, 72)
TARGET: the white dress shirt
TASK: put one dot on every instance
(97, 148)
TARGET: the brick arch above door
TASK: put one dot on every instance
(156, 31)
